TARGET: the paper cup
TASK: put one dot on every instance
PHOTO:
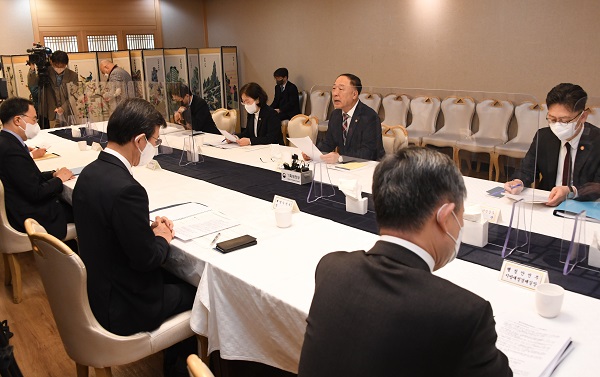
(75, 132)
(283, 217)
(549, 299)
(82, 145)
(96, 146)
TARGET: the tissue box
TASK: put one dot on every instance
(358, 206)
(475, 233)
(299, 178)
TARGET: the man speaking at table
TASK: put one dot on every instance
(354, 128)
(128, 290)
(566, 154)
(383, 312)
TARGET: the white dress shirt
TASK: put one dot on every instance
(412, 247)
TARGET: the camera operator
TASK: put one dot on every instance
(54, 103)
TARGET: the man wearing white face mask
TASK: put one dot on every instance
(28, 191)
(568, 151)
(383, 312)
(128, 290)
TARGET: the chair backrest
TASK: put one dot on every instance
(302, 97)
(394, 138)
(396, 108)
(494, 118)
(197, 368)
(373, 100)
(530, 117)
(11, 240)
(594, 115)
(65, 280)
(319, 104)
(225, 119)
(302, 125)
(458, 115)
(425, 111)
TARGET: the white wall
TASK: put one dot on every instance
(182, 23)
(16, 30)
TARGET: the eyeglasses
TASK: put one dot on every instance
(158, 141)
(35, 119)
(554, 120)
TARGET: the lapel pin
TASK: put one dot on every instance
(582, 147)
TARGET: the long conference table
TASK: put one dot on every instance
(252, 304)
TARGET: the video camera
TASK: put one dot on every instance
(40, 56)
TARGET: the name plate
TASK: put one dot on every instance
(491, 214)
(299, 178)
(281, 202)
(522, 275)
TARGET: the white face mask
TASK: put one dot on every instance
(251, 109)
(147, 154)
(31, 130)
(458, 239)
(564, 131)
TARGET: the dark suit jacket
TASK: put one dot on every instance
(287, 101)
(201, 118)
(121, 253)
(383, 313)
(269, 127)
(29, 192)
(364, 136)
(54, 94)
(587, 162)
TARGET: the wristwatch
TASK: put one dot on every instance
(571, 193)
(340, 159)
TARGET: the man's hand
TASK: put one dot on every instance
(331, 158)
(59, 110)
(514, 187)
(243, 142)
(557, 195)
(37, 152)
(64, 174)
(278, 111)
(305, 157)
(163, 227)
(177, 116)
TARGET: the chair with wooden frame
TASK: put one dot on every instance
(225, 119)
(302, 125)
(394, 138)
(373, 100)
(197, 368)
(319, 108)
(425, 111)
(396, 108)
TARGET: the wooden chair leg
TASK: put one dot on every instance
(7, 276)
(82, 370)
(203, 348)
(456, 157)
(15, 272)
(495, 157)
(103, 372)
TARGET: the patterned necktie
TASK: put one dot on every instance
(567, 166)
(345, 126)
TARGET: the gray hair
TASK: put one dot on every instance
(411, 184)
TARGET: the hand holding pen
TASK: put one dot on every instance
(514, 187)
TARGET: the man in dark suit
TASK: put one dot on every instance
(194, 111)
(127, 288)
(286, 101)
(382, 312)
(568, 151)
(27, 191)
(354, 128)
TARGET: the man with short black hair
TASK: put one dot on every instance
(566, 154)
(194, 112)
(55, 97)
(354, 128)
(286, 101)
(28, 192)
(383, 312)
(128, 290)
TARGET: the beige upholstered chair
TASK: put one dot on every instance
(13, 242)
(319, 107)
(494, 118)
(458, 114)
(197, 368)
(394, 138)
(373, 100)
(396, 108)
(425, 111)
(65, 280)
(594, 115)
(302, 125)
(302, 97)
(530, 117)
(225, 119)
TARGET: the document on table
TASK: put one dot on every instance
(201, 224)
(530, 195)
(570, 208)
(531, 349)
(180, 211)
(351, 165)
(306, 145)
(229, 136)
(77, 171)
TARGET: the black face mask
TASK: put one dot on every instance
(279, 82)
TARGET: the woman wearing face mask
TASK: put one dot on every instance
(566, 153)
(263, 125)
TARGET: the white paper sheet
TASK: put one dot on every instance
(229, 136)
(201, 224)
(306, 145)
(180, 211)
(530, 196)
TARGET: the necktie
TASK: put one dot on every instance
(345, 126)
(282, 88)
(567, 166)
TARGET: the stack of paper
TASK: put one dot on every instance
(530, 196)
(532, 350)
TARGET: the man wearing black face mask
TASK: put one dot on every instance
(286, 101)
(194, 112)
(568, 151)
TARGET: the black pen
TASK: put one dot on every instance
(215, 239)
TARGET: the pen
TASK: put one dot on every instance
(517, 185)
(215, 239)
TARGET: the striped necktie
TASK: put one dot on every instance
(345, 126)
